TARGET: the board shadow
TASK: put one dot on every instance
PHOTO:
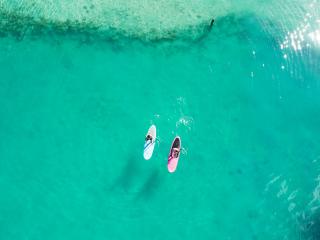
(150, 186)
(127, 178)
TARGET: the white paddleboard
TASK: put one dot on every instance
(149, 145)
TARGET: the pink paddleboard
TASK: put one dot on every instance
(174, 154)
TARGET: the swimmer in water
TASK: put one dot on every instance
(211, 24)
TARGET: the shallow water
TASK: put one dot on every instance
(244, 97)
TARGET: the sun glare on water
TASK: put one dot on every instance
(306, 34)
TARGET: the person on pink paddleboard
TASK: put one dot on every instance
(174, 155)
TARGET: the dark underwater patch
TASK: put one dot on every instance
(244, 26)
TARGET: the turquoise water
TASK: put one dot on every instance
(76, 103)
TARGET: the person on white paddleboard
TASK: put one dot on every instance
(149, 137)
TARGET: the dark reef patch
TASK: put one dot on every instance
(19, 26)
(309, 227)
(85, 32)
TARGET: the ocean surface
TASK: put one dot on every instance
(82, 81)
